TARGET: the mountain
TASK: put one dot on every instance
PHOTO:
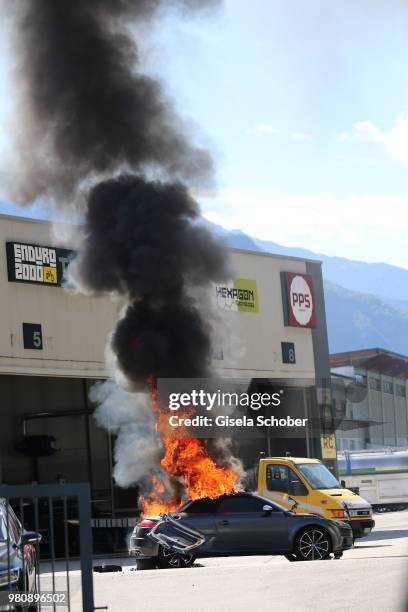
(359, 321)
(384, 280)
(366, 304)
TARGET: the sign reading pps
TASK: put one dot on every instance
(298, 300)
(40, 265)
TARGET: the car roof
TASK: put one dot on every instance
(294, 460)
(235, 495)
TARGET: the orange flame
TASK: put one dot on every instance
(153, 503)
(187, 458)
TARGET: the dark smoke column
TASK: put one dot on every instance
(93, 130)
(89, 111)
(145, 240)
(86, 107)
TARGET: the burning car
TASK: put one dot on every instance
(235, 525)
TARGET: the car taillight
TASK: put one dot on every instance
(146, 523)
(337, 513)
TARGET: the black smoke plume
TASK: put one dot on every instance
(145, 240)
(87, 107)
(93, 127)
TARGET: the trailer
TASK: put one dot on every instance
(381, 476)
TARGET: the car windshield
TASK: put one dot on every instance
(318, 476)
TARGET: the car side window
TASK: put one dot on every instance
(14, 526)
(296, 486)
(240, 503)
(3, 530)
(277, 478)
(202, 506)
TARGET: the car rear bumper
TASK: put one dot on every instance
(143, 548)
(362, 527)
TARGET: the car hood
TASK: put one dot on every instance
(345, 495)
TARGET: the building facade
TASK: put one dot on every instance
(375, 415)
(52, 345)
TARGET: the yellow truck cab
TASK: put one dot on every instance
(307, 486)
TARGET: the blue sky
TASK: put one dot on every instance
(304, 105)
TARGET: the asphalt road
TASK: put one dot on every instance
(372, 576)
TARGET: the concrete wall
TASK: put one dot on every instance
(75, 327)
(254, 347)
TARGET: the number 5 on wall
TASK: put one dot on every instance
(32, 336)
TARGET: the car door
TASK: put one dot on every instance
(200, 515)
(10, 551)
(277, 483)
(244, 527)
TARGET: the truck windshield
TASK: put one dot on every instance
(318, 476)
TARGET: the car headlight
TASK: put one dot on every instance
(9, 577)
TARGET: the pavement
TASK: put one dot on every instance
(372, 577)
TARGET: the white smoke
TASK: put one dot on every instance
(130, 417)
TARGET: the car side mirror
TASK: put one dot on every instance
(267, 508)
(31, 537)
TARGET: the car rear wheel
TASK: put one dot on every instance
(146, 564)
(168, 559)
(313, 544)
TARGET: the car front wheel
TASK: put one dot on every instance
(168, 559)
(312, 544)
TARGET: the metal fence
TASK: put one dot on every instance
(62, 561)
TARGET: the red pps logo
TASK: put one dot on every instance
(300, 300)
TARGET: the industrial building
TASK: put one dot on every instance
(52, 351)
(375, 415)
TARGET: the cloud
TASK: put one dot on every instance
(267, 128)
(300, 136)
(262, 128)
(371, 228)
(395, 141)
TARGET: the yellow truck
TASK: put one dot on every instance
(306, 485)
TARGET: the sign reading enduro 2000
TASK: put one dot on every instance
(39, 265)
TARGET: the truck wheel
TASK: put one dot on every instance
(313, 544)
(168, 559)
(146, 564)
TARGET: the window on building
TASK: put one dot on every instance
(388, 387)
(361, 380)
(400, 390)
(375, 384)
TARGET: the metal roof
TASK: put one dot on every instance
(375, 360)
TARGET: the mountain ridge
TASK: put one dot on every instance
(366, 303)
